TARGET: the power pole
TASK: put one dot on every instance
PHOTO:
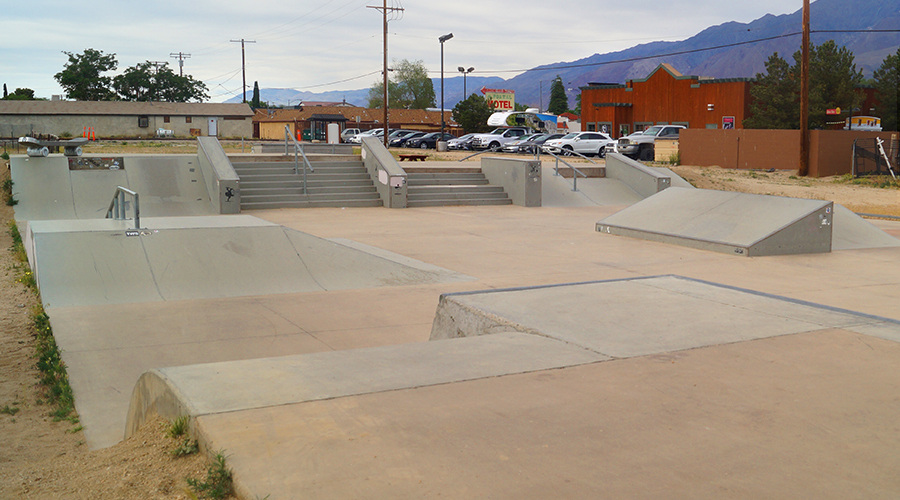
(244, 63)
(154, 89)
(181, 57)
(384, 9)
(804, 93)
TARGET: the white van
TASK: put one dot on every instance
(348, 133)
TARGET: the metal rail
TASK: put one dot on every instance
(297, 148)
(575, 170)
(117, 207)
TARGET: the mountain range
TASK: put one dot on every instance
(729, 50)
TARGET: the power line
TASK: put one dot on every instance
(244, 63)
(181, 57)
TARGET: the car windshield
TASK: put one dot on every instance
(652, 130)
(569, 136)
(498, 131)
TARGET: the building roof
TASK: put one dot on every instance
(364, 115)
(128, 108)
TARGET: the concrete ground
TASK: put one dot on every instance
(807, 413)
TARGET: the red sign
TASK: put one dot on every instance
(835, 111)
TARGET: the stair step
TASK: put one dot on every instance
(445, 202)
(457, 196)
(310, 204)
(266, 191)
(455, 188)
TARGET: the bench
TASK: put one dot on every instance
(413, 157)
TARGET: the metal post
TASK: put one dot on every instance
(804, 94)
(443, 39)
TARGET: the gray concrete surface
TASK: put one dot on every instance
(729, 222)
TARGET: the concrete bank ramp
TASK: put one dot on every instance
(742, 224)
(58, 187)
(91, 262)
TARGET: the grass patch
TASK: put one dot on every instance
(8, 197)
(178, 426)
(218, 483)
(9, 410)
(187, 447)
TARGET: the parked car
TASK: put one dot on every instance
(532, 144)
(498, 137)
(640, 145)
(428, 140)
(399, 132)
(400, 142)
(586, 143)
(513, 146)
(356, 139)
(348, 133)
(464, 142)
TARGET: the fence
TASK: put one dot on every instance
(871, 158)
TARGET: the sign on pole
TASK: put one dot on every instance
(500, 99)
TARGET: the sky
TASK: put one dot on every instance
(325, 45)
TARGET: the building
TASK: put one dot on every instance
(665, 97)
(124, 119)
(310, 122)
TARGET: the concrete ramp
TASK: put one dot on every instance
(742, 224)
(852, 232)
(90, 262)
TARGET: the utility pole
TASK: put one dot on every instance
(804, 93)
(244, 63)
(181, 57)
(155, 87)
(384, 9)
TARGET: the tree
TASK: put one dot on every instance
(833, 77)
(472, 114)
(82, 76)
(254, 103)
(21, 94)
(559, 102)
(408, 88)
(577, 109)
(149, 82)
(887, 88)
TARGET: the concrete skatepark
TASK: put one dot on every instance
(478, 351)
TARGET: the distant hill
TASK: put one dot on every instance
(731, 61)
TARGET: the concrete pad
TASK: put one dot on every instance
(241, 385)
(853, 232)
(83, 263)
(636, 317)
(729, 222)
(801, 416)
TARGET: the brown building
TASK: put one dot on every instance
(665, 97)
(307, 122)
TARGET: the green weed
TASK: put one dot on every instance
(178, 426)
(8, 197)
(218, 483)
(187, 447)
(9, 410)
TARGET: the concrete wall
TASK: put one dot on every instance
(114, 126)
(830, 150)
(389, 178)
(222, 182)
(521, 179)
(644, 180)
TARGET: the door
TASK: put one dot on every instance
(213, 127)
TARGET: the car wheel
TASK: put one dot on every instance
(493, 145)
(567, 150)
(602, 152)
(423, 145)
(646, 154)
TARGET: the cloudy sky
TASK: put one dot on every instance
(320, 45)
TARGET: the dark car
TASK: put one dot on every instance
(400, 142)
(459, 143)
(531, 146)
(428, 140)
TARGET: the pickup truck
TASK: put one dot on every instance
(498, 137)
(639, 145)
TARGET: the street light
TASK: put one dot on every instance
(465, 71)
(442, 39)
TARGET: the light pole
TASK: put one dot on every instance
(442, 39)
(465, 72)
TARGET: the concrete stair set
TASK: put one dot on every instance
(435, 189)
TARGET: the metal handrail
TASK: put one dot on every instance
(575, 170)
(117, 207)
(297, 148)
(490, 150)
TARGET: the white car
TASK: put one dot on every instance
(348, 133)
(586, 143)
(513, 146)
(356, 139)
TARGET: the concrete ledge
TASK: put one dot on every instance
(521, 179)
(644, 180)
(222, 182)
(308, 148)
(389, 177)
(206, 389)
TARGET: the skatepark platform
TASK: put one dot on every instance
(743, 224)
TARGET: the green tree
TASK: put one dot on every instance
(82, 77)
(254, 103)
(834, 82)
(472, 114)
(409, 87)
(559, 102)
(774, 99)
(148, 82)
(887, 88)
(21, 94)
(577, 109)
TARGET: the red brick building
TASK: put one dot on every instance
(665, 97)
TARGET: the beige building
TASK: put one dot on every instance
(305, 122)
(123, 119)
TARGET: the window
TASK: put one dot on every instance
(187, 119)
(640, 127)
(165, 119)
(712, 126)
(624, 130)
(604, 127)
(143, 121)
(591, 127)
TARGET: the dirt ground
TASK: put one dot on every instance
(40, 458)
